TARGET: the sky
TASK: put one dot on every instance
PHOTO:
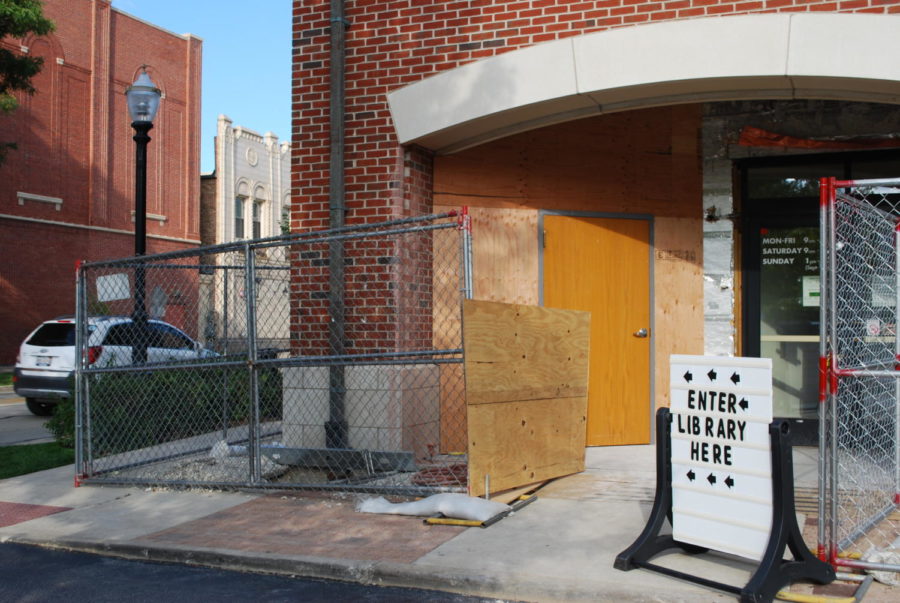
(246, 60)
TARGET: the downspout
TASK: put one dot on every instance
(336, 427)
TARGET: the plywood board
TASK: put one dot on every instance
(505, 254)
(516, 443)
(644, 161)
(526, 393)
(453, 409)
(678, 282)
(515, 352)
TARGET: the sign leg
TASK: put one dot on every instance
(650, 542)
(774, 572)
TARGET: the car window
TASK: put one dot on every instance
(122, 334)
(165, 336)
(53, 334)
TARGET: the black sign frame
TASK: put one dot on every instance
(774, 572)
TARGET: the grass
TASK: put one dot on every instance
(28, 458)
(6, 378)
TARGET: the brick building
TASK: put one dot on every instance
(67, 192)
(624, 157)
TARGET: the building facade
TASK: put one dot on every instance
(641, 160)
(67, 191)
(252, 183)
(246, 197)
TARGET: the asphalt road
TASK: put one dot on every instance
(17, 424)
(36, 574)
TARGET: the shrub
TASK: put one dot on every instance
(62, 423)
(134, 410)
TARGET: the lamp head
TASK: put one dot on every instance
(143, 98)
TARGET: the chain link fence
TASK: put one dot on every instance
(325, 360)
(860, 386)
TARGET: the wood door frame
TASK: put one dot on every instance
(651, 409)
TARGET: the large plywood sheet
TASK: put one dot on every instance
(515, 352)
(678, 281)
(519, 443)
(644, 161)
(526, 393)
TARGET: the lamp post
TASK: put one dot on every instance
(143, 101)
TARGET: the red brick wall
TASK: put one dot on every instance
(74, 140)
(394, 43)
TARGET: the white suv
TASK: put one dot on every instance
(45, 366)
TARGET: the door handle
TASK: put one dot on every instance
(642, 333)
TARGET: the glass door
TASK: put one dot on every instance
(780, 270)
(789, 315)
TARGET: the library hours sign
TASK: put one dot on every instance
(721, 452)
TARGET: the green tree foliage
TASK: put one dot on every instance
(19, 18)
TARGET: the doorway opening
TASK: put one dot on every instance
(602, 264)
(780, 270)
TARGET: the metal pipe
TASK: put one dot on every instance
(832, 451)
(252, 353)
(393, 358)
(365, 230)
(824, 379)
(896, 353)
(80, 346)
(336, 426)
(139, 312)
(465, 225)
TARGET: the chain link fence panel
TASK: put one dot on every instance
(325, 360)
(859, 469)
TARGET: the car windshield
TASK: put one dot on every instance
(53, 334)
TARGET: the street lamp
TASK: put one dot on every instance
(143, 101)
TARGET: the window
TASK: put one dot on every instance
(54, 334)
(257, 220)
(780, 269)
(168, 337)
(239, 217)
(121, 334)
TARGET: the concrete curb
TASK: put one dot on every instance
(515, 587)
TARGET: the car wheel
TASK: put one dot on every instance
(41, 409)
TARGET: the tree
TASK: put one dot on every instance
(18, 18)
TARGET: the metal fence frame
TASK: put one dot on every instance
(250, 436)
(859, 428)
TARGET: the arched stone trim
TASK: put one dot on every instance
(242, 188)
(260, 193)
(774, 56)
(158, 81)
(57, 53)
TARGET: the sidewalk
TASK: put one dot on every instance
(559, 548)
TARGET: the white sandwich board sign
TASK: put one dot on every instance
(721, 452)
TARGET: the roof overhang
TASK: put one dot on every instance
(833, 56)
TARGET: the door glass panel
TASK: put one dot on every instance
(789, 316)
(790, 181)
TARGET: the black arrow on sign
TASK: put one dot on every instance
(691, 475)
(688, 376)
(711, 374)
(729, 482)
(711, 479)
(735, 378)
(744, 404)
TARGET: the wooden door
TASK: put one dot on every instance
(602, 265)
